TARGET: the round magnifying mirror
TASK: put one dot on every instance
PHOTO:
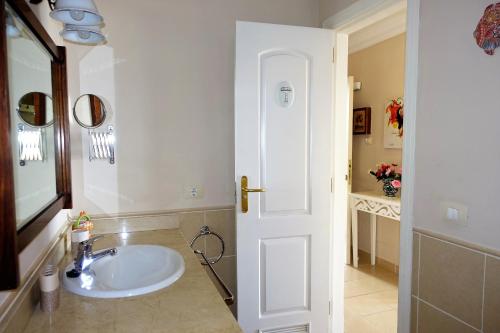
(89, 111)
(35, 109)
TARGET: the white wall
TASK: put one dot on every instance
(329, 7)
(166, 75)
(457, 143)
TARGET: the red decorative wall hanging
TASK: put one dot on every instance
(487, 32)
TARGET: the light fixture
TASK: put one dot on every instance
(83, 34)
(11, 29)
(80, 12)
(82, 21)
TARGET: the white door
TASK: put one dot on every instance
(283, 129)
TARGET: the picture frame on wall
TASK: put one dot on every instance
(361, 121)
(393, 124)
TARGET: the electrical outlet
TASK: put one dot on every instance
(454, 213)
(193, 192)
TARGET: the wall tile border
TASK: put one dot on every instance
(489, 257)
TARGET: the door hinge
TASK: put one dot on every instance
(330, 308)
(350, 173)
(235, 193)
(333, 55)
(331, 185)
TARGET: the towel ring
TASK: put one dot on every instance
(205, 231)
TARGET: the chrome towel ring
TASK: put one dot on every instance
(205, 231)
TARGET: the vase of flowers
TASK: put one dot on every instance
(390, 175)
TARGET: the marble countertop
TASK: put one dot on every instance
(190, 305)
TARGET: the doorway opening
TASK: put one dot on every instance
(376, 75)
(370, 65)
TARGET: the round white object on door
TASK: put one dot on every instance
(285, 94)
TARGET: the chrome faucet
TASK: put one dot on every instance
(85, 256)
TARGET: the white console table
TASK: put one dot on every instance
(375, 204)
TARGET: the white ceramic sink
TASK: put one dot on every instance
(134, 270)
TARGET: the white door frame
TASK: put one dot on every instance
(361, 14)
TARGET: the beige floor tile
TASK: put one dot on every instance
(365, 286)
(380, 273)
(386, 322)
(373, 303)
(357, 324)
(371, 299)
(351, 274)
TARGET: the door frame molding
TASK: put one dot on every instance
(361, 14)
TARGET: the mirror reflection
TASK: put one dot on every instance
(35, 109)
(30, 85)
(89, 111)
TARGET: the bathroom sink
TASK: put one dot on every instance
(134, 270)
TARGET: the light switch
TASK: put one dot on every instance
(455, 213)
(452, 214)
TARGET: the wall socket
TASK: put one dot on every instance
(194, 192)
(454, 213)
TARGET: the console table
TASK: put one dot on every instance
(376, 204)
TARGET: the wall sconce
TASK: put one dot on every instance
(82, 34)
(81, 19)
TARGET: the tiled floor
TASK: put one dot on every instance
(371, 299)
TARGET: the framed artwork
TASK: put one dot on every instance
(361, 121)
(393, 124)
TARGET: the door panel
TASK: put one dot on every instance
(285, 123)
(285, 275)
(283, 118)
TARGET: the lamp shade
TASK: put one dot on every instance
(80, 12)
(89, 35)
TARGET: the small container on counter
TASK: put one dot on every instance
(49, 288)
(77, 236)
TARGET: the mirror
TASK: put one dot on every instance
(29, 67)
(35, 175)
(89, 111)
(35, 109)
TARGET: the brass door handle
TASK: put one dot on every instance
(244, 193)
(253, 190)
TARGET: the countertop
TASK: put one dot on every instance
(191, 304)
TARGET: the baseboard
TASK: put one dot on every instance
(381, 262)
(156, 213)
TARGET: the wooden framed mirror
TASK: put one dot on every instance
(34, 187)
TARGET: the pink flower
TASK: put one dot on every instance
(396, 183)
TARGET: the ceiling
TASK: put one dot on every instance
(378, 32)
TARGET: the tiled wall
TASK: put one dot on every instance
(221, 221)
(455, 288)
